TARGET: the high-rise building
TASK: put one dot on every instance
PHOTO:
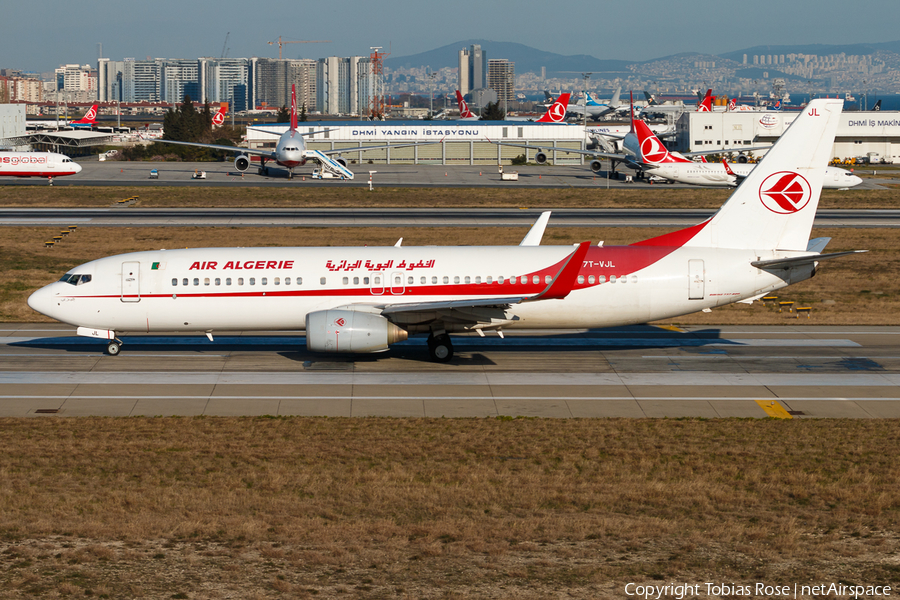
(502, 79)
(472, 74)
(271, 80)
(175, 74)
(338, 80)
(78, 82)
(219, 77)
(140, 80)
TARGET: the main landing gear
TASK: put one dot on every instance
(440, 347)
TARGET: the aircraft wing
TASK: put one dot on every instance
(488, 310)
(235, 149)
(364, 148)
(567, 150)
(720, 151)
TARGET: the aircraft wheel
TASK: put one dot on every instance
(440, 348)
(114, 347)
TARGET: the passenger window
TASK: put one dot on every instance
(634, 279)
(410, 280)
(512, 280)
(468, 279)
(535, 279)
(612, 278)
(547, 279)
(206, 281)
(489, 280)
(601, 279)
(299, 281)
(277, 281)
(456, 279)
(422, 280)
(240, 281)
(356, 281)
(623, 279)
(433, 279)
(446, 279)
(287, 281)
(377, 280)
(264, 281)
(345, 281)
(218, 281)
(184, 281)
(581, 279)
(478, 279)
(228, 281)
(398, 280)
(252, 281)
(500, 279)
(174, 282)
(196, 281)
(322, 280)
(591, 279)
(366, 280)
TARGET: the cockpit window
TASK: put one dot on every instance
(75, 278)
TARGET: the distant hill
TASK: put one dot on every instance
(527, 59)
(820, 49)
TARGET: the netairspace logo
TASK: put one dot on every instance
(757, 589)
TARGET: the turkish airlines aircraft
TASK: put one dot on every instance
(363, 299)
(656, 160)
(464, 113)
(37, 164)
(218, 119)
(555, 113)
(291, 151)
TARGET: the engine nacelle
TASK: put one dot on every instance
(341, 161)
(596, 166)
(242, 162)
(540, 158)
(742, 158)
(350, 331)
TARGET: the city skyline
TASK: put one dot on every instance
(404, 27)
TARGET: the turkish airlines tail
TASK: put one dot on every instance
(89, 118)
(218, 119)
(651, 149)
(464, 112)
(557, 111)
(293, 107)
(706, 104)
(774, 207)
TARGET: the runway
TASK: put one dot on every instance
(223, 174)
(797, 372)
(399, 217)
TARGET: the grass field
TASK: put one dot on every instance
(471, 508)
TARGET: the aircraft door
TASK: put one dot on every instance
(397, 286)
(376, 283)
(131, 281)
(696, 280)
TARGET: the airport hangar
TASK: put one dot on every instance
(859, 134)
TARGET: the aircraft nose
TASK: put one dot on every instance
(42, 301)
(855, 180)
(77, 168)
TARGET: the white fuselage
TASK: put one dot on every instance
(715, 174)
(289, 151)
(36, 164)
(228, 289)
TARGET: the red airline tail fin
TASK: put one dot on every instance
(218, 119)
(293, 107)
(706, 105)
(557, 111)
(464, 112)
(652, 150)
(89, 118)
(727, 168)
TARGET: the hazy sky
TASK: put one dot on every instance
(41, 38)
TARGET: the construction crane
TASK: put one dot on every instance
(280, 43)
(224, 48)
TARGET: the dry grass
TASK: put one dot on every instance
(359, 197)
(857, 289)
(474, 508)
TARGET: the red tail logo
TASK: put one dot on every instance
(785, 192)
(293, 107)
(652, 150)
(706, 105)
(557, 111)
(91, 114)
(464, 111)
(218, 119)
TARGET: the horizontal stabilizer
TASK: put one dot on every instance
(796, 261)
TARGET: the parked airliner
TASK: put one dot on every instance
(363, 299)
(37, 164)
(556, 112)
(291, 151)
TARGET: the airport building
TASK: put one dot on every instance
(453, 142)
(859, 134)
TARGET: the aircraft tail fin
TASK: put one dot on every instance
(775, 205)
(706, 104)
(877, 106)
(89, 118)
(293, 107)
(218, 119)
(464, 112)
(557, 111)
(651, 149)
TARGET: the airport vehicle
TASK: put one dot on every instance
(37, 164)
(291, 151)
(363, 299)
(321, 174)
(198, 175)
(154, 174)
(658, 162)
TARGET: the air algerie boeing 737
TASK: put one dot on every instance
(291, 150)
(363, 299)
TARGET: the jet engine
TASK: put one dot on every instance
(350, 331)
(341, 161)
(242, 162)
(742, 158)
(540, 158)
(596, 166)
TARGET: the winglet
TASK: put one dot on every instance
(534, 235)
(564, 281)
